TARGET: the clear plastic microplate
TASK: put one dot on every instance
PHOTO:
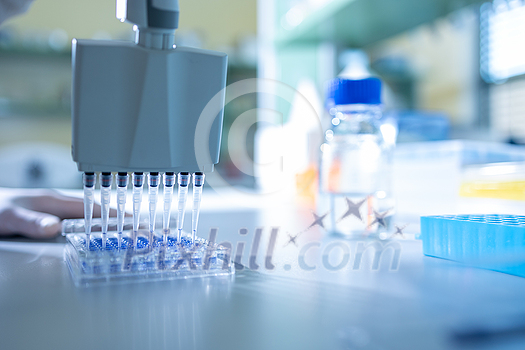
(139, 257)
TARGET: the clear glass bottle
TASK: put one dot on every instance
(355, 166)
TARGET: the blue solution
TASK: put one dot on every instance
(111, 244)
(142, 243)
(495, 242)
(151, 259)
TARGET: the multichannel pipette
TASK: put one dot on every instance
(169, 111)
(138, 182)
(153, 190)
(106, 180)
(105, 194)
(169, 181)
(198, 182)
(89, 199)
(184, 181)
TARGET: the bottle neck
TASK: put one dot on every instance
(356, 109)
(355, 119)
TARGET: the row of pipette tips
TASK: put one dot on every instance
(122, 178)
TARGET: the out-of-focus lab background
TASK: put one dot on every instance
(452, 70)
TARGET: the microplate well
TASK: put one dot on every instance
(139, 257)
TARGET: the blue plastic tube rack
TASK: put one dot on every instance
(491, 241)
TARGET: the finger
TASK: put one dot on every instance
(29, 223)
(71, 208)
(49, 201)
(52, 202)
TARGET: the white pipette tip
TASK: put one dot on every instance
(169, 182)
(153, 182)
(106, 179)
(89, 180)
(198, 183)
(184, 181)
(122, 187)
(138, 182)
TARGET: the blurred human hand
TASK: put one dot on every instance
(9, 8)
(37, 213)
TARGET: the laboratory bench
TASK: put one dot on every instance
(420, 303)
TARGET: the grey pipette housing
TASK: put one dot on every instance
(136, 105)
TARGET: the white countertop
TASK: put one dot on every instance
(419, 305)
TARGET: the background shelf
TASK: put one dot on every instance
(358, 23)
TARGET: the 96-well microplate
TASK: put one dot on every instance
(143, 257)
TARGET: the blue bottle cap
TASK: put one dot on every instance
(346, 91)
